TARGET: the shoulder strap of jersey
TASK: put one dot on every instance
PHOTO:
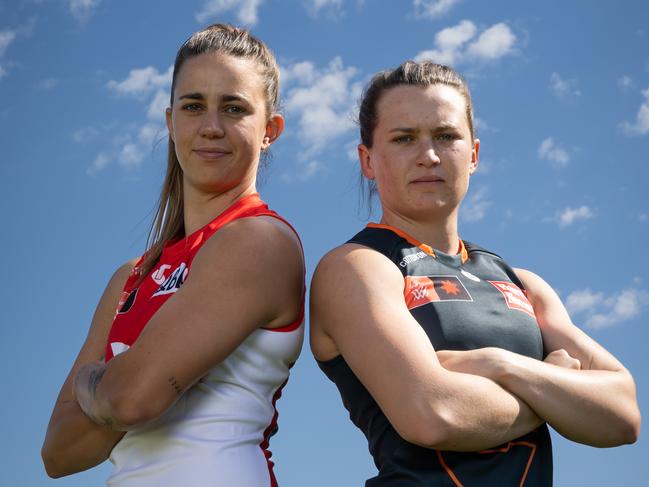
(382, 240)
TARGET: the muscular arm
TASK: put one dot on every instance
(73, 442)
(358, 310)
(594, 404)
(248, 275)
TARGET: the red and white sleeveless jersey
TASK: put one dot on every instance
(217, 433)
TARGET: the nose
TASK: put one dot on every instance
(212, 128)
(428, 156)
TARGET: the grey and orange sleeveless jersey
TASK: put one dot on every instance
(217, 434)
(465, 301)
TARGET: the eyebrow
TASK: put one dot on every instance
(200, 96)
(412, 130)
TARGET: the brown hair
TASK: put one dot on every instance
(423, 74)
(168, 222)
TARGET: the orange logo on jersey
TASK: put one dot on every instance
(420, 290)
(514, 296)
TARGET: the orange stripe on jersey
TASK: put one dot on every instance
(426, 248)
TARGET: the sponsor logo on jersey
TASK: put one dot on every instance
(159, 275)
(468, 275)
(126, 301)
(421, 290)
(174, 281)
(514, 296)
(409, 259)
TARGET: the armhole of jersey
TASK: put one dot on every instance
(294, 325)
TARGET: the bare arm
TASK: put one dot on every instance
(248, 275)
(358, 310)
(74, 443)
(594, 403)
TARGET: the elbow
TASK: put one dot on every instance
(131, 410)
(429, 428)
(52, 464)
(630, 431)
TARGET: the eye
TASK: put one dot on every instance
(403, 139)
(447, 137)
(234, 109)
(192, 107)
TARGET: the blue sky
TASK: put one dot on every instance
(561, 92)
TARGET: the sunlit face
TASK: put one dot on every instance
(422, 153)
(218, 122)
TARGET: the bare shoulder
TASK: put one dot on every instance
(350, 281)
(261, 237)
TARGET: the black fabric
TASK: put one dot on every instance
(467, 305)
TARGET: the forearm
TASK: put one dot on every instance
(595, 407)
(74, 443)
(478, 413)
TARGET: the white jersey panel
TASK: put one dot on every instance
(213, 435)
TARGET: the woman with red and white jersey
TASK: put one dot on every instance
(448, 360)
(192, 343)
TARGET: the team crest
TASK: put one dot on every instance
(421, 290)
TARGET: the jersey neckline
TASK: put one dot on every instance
(464, 255)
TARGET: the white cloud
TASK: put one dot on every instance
(314, 7)
(431, 9)
(570, 215)
(322, 101)
(625, 82)
(3, 72)
(599, 311)
(47, 84)
(85, 134)
(100, 162)
(495, 42)
(142, 81)
(563, 88)
(641, 124)
(451, 45)
(158, 105)
(475, 208)
(6, 38)
(583, 300)
(551, 152)
(82, 10)
(246, 10)
(131, 145)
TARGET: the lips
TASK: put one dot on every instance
(429, 179)
(211, 152)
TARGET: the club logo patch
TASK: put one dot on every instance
(514, 297)
(126, 301)
(421, 290)
(174, 281)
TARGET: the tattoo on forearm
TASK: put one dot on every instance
(94, 377)
(174, 383)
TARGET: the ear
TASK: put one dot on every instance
(365, 160)
(274, 128)
(474, 156)
(169, 124)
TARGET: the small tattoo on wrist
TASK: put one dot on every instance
(175, 385)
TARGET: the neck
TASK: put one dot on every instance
(438, 232)
(201, 208)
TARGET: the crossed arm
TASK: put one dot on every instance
(139, 385)
(358, 310)
(465, 400)
(592, 402)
